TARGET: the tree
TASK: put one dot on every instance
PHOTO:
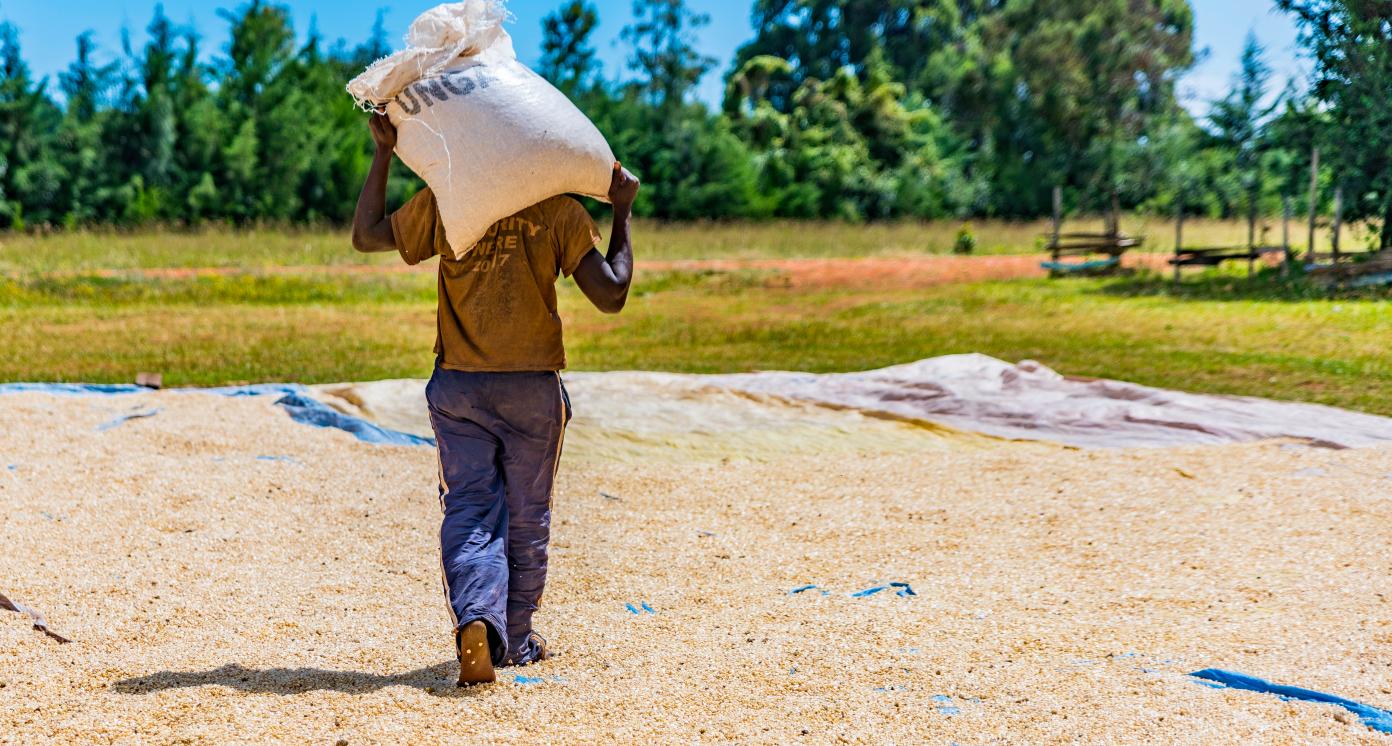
(80, 148)
(664, 50)
(1348, 40)
(1296, 129)
(567, 58)
(85, 84)
(30, 178)
(156, 139)
(820, 37)
(837, 108)
(265, 110)
(376, 47)
(1238, 121)
(1095, 75)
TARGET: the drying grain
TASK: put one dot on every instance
(228, 575)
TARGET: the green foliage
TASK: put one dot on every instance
(840, 109)
(965, 244)
(1222, 334)
(662, 36)
(1348, 40)
(567, 57)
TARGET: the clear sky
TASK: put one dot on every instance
(48, 28)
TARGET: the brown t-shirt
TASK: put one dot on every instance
(497, 309)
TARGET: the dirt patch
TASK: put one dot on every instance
(860, 273)
(887, 273)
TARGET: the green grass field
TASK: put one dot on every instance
(89, 251)
(59, 321)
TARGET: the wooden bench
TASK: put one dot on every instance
(1110, 245)
(1213, 257)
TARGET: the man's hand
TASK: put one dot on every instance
(372, 229)
(623, 188)
(605, 279)
(383, 132)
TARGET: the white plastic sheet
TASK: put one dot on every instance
(974, 393)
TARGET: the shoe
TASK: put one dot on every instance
(538, 643)
(475, 656)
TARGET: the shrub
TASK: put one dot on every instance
(966, 241)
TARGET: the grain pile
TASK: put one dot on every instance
(229, 575)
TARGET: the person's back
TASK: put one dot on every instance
(497, 304)
(496, 399)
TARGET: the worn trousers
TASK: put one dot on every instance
(499, 437)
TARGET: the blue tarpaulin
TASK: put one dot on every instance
(294, 399)
(309, 411)
(1373, 717)
(73, 389)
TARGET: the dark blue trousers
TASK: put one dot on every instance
(500, 437)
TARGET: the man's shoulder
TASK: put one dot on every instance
(424, 198)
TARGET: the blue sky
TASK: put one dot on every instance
(48, 27)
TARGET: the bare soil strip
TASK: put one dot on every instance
(874, 272)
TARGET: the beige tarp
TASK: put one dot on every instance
(971, 393)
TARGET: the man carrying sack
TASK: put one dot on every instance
(496, 399)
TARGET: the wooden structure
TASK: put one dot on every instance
(1370, 271)
(1093, 253)
(1317, 260)
(1344, 268)
(1215, 255)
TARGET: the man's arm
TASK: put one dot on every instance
(605, 279)
(372, 229)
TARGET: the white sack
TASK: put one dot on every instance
(487, 134)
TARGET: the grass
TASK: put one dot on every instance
(259, 248)
(1329, 352)
(1221, 334)
(69, 311)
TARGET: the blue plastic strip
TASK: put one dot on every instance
(257, 389)
(945, 706)
(1080, 266)
(869, 591)
(71, 389)
(901, 590)
(301, 407)
(1367, 281)
(1373, 717)
(801, 588)
(126, 418)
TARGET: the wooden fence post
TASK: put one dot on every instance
(1251, 233)
(1314, 203)
(1287, 258)
(1058, 221)
(1338, 220)
(1178, 236)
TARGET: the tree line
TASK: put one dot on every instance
(838, 109)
